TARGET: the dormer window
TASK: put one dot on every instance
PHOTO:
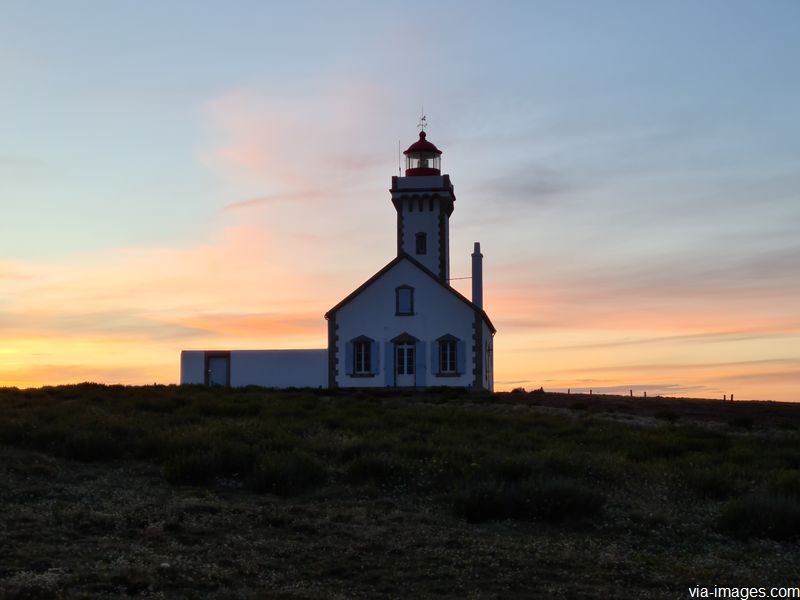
(404, 300)
(422, 243)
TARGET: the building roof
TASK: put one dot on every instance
(422, 146)
(400, 257)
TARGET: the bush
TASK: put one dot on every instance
(485, 500)
(741, 421)
(380, 469)
(787, 481)
(287, 474)
(560, 498)
(233, 458)
(511, 469)
(762, 515)
(667, 415)
(93, 445)
(191, 469)
(551, 500)
(714, 483)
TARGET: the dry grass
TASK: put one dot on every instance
(303, 495)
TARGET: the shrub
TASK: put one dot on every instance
(667, 415)
(787, 481)
(762, 515)
(93, 445)
(656, 445)
(287, 473)
(741, 421)
(552, 500)
(484, 500)
(14, 433)
(715, 483)
(380, 469)
(233, 458)
(191, 468)
(561, 498)
(511, 469)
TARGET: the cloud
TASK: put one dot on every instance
(35, 375)
(260, 326)
(694, 338)
(272, 199)
(67, 322)
(132, 310)
(20, 165)
(264, 137)
(531, 186)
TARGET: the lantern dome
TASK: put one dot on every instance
(423, 158)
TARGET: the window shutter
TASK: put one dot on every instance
(434, 358)
(375, 354)
(388, 364)
(348, 358)
(421, 369)
(461, 357)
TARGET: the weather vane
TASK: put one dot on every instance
(423, 121)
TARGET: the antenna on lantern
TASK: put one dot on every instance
(423, 121)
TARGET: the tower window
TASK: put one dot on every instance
(404, 300)
(422, 243)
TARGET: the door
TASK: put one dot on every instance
(404, 365)
(218, 370)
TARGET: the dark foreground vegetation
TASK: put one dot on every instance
(170, 492)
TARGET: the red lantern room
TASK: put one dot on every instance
(423, 158)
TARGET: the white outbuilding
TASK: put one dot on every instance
(403, 327)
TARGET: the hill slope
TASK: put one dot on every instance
(194, 492)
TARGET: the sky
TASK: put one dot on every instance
(215, 175)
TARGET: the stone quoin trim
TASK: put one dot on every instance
(399, 232)
(477, 337)
(333, 349)
(442, 244)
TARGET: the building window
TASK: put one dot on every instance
(422, 243)
(362, 355)
(404, 300)
(447, 356)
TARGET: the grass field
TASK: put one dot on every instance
(190, 492)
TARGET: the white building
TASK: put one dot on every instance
(404, 327)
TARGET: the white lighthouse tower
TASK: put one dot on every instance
(424, 202)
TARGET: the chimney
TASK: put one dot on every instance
(477, 276)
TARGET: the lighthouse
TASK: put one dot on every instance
(424, 201)
(406, 326)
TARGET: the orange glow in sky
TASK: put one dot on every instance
(631, 174)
